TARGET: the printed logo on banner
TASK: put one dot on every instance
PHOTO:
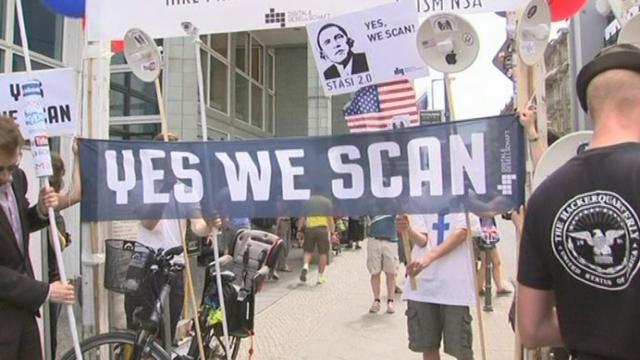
(273, 17)
(596, 237)
(427, 7)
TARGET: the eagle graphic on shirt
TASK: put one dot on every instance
(601, 243)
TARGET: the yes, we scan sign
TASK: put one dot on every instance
(58, 99)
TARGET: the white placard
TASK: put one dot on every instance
(429, 7)
(367, 47)
(59, 99)
(110, 19)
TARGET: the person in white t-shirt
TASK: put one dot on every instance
(165, 234)
(441, 263)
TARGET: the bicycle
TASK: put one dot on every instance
(128, 264)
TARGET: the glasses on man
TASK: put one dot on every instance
(13, 167)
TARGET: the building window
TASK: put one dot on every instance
(215, 68)
(242, 53)
(256, 105)
(18, 64)
(270, 69)
(3, 18)
(218, 84)
(270, 113)
(1, 61)
(132, 97)
(134, 131)
(242, 97)
(44, 30)
(220, 44)
(257, 61)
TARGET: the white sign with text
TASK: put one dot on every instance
(110, 20)
(367, 47)
(58, 100)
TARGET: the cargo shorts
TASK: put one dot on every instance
(427, 323)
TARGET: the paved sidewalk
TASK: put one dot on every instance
(331, 321)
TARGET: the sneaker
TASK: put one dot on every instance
(375, 307)
(391, 307)
(303, 274)
(321, 279)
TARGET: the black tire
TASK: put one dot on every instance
(112, 342)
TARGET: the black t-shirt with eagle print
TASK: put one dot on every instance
(581, 239)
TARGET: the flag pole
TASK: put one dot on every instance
(38, 135)
(194, 33)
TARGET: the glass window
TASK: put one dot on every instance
(218, 85)
(257, 62)
(44, 30)
(268, 118)
(242, 46)
(270, 69)
(242, 98)
(134, 131)
(204, 57)
(132, 97)
(256, 106)
(118, 59)
(1, 61)
(18, 64)
(3, 20)
(220, 44)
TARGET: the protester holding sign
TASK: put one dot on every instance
(20, 294)
(578, 267)
(439, 306)
(164, 233)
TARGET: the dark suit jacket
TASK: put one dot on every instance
(359, 66)
(20, 293)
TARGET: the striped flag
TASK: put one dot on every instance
(380, 107)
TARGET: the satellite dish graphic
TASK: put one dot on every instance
(142, 54)
(559, 153)
(448, 43)
(534, 31)
(630, 32)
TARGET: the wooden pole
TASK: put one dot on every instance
(483, 347)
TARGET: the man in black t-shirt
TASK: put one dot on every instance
(580, 253)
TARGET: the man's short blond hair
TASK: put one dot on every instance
(614, 90)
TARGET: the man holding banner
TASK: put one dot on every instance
(578, 271)
(439, 306)
(20, 294)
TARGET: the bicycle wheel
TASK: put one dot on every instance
(214, 348)
(114, 346)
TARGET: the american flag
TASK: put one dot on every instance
(374, 107)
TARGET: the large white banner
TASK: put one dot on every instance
(367, 47)
(110, 19)
(59, 99)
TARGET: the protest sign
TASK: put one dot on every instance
(59, 99)
(427, 8)
(367, 47)
(475, 165)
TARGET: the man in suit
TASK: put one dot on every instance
(336, 46)
(20, 294)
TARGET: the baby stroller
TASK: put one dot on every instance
(253, 254)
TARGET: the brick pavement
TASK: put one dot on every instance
(331, 321)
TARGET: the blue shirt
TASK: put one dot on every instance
(239, 223)
(384, 227)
